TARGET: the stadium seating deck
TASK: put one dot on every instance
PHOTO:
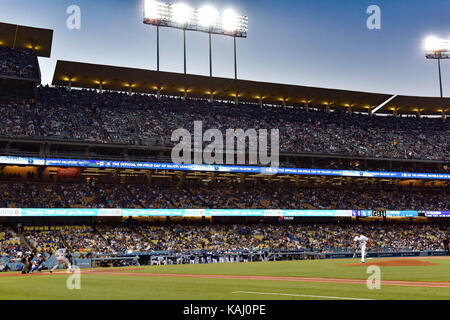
(112, 117)
(218, 196)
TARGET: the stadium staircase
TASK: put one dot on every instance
(101, 235)
(37, 121)
(63, 196)
(100, 197)
(125, 186)
(66, 244)
(37, 70)
(100, 122)
(143, 236)
(22, 238)
(24, 241)
(173, 204)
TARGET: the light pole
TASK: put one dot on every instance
(235, 59)
(440, 75)
(437, 49)
(210, 56)
(184, 39)
(157, 48)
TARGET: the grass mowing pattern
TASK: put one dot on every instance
(98, 286)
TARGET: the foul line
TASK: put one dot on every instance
(298, 295)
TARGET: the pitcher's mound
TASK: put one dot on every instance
(394, 263)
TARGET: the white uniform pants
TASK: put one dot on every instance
(62, 260)
(363, 252)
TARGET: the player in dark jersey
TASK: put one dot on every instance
(27, 261)
(446, 246)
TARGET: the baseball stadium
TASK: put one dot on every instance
(345, 197)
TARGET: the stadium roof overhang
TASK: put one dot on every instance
(22, 37)
(85, 75)
(424, 105)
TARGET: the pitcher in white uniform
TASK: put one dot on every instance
(60, 255)
(362, 242)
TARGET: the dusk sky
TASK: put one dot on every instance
(323, 43)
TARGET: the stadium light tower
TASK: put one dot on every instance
(437, 49)
(206, 19)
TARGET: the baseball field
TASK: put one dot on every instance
(400, 279)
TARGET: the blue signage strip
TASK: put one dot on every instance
(76, 212)
(438, 214)
(44, 212)
(384, 213)
(216, 168)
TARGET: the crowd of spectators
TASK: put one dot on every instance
(122, 240)
(113, 117)
(10, 244)
(19, 63)
(182, 238)
(68, 115)
(45, 196)
(43, 240)
(15, 195)
(81, 195)
(84, 239)
(240, 197)
(327, 237)
(18, 118)
(217, 196)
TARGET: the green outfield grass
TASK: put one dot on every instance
(101, 286)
